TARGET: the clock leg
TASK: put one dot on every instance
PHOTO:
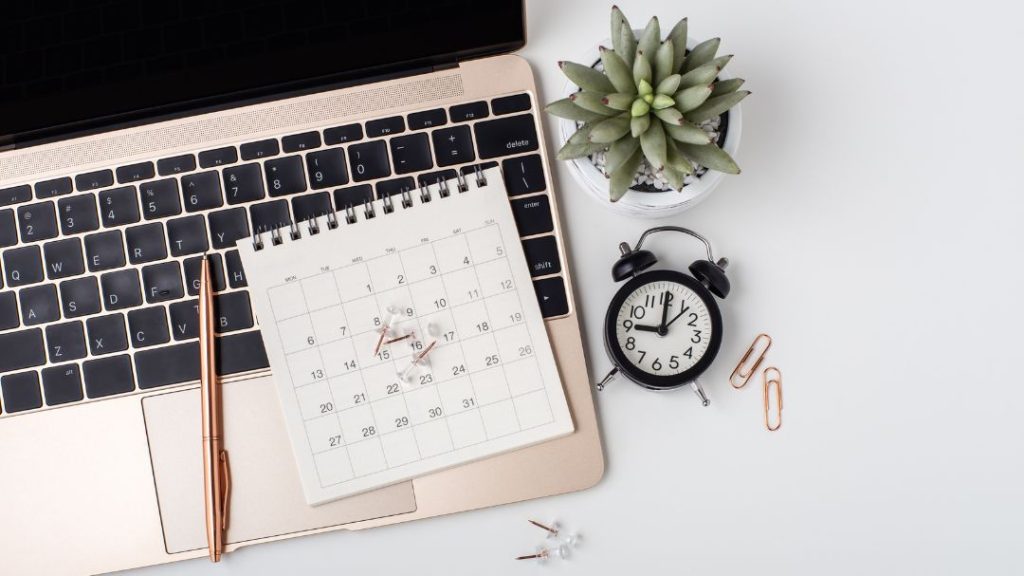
(700, 392)
(607, 378)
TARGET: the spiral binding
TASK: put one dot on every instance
(369, 209)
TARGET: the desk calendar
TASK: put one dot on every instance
(406, 342)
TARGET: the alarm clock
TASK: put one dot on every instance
(663, 328)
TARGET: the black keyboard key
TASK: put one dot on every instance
(8, 231)
(65, 342)
(218, 157)
(552, 297)
(411, 153)
(80, 297)
(64, 258)
(236, 274)
(202, 191)
(185, 320)
(148, 327)
(243, 183)
(285, 176)
(160, 198)
(261, 149)
(510, 104)
(119, 206)
(326, 168)
(19, 350)
(353, 196)
(108, 376)
(55, 187)
(8, 310)
(121, 289)
(342, 134)
(192, 269)
(107, 334)
(470, 111)
(453, 145)
(427, 119)
(542, 255)
(311, 206)
(37, 222)
(237, 353)
(162, 282)
(15, 195)
(21, 392)
(533, 215)
(176, 165)
(474, 169)
(146, 243)
(168, 365)
(62, 384)
(269, 215)
(506, 136)
(94, 180)
(187, 235)
(135, 172)
(23, 266)
(436, 178)
(523, 175)
(233, 312)
(227, 227)
(385, 127)
(395, 186)
(369, 160)
(301, 142)
(104, 251)
(78, 214)
(39, 305)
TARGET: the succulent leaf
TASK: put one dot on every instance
(691, 98)
(619, 101)
(628, 41)
(565, 108)
(675, 159)
(702, 75)
(668, 86)
(688, 133)
(618, 22)
(639, 124)
(620, 151)
(669, 115)
(623, 39)
(663, 61)
(645, 89)
(715, 106)
(722, 61)
(572, 151)
(611, 129)
(678, 37)
(618, 72)
(674, 178)
(582, 134)
(662, 101)
(653, 144)
(702, 54)
(727, 86)
(586, 77)
(640, 108)
(710, 156)
(622, 176)
(592, 102)
(642, 69)
(650, 39)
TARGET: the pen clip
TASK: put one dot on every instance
(225, 501)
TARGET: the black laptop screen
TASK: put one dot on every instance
(75, 65)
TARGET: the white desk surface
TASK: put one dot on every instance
(876, 234)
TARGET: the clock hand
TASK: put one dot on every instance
(681, 312)
(667, 297)
(646, 328)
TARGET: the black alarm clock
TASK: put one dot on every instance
(663, 328)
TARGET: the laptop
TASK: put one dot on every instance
(136, 137)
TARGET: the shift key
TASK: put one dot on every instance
(506, 136)
(22, 349)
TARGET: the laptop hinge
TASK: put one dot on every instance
(445, 66)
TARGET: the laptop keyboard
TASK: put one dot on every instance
(100, 270)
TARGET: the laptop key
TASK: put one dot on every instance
(21, 392)
(160, 198)
(343, 134)
(108, 376)
(15, 195)
(65, 342)
(428, 119)
(269, 215)
(453, 145)
(8, 231)
(505, 136)
(148, 327)
(233, 312)
(192, 269)
(523, 175)
(236, 274)
(168, 365)
(62, 384)
(64, 258)
(395, 186)
(94, 180)
(55, 187)
(411, 153)
(244, 352)
(551, 296)
(470, 111)
(80, 297)
(243, 183)
(310, 206)
(385, 126)
(187, 235)
(78, 214)
(326, 168)
(202, 191)
(162, 282)
(436, 178)
(107, 334)
(185, 319)
(8, 310)
(533, 215)
(119, 206)
(542, 255)
(23, 266)
(353, 196)
(20, 350)
(37, 222)
(285, 176)
(510, 104)
(227, 227)
(104, 251)
(369, 160)
(39, 304)
(301, 142)
(146, 243)
(218, 157)
(176, 165)
(135, 172)
(260, 149)
(121, 289)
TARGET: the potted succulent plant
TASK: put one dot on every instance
(652, 123)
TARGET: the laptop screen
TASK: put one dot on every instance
(68, 66)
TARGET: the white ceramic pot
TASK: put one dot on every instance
(647, 204)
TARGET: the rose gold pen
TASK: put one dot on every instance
(216, 471)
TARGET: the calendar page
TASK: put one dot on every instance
(408, 342)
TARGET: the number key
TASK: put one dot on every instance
(243, 183)
(202, 191)
(285, 176)
(160, 198)
(326, 168)
(119, 206)
(369, 160)
(78, 214)
(37, 222)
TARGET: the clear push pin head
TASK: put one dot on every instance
(543, 553)
(554, 530)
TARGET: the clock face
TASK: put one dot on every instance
(664, 327)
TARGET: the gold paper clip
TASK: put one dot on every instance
(739, 377)
(772, 379)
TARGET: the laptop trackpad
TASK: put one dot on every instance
(266, 498)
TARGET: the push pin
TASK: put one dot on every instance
(543, 553)
(554, 530)
(385, 328)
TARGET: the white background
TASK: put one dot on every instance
(876, 234)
